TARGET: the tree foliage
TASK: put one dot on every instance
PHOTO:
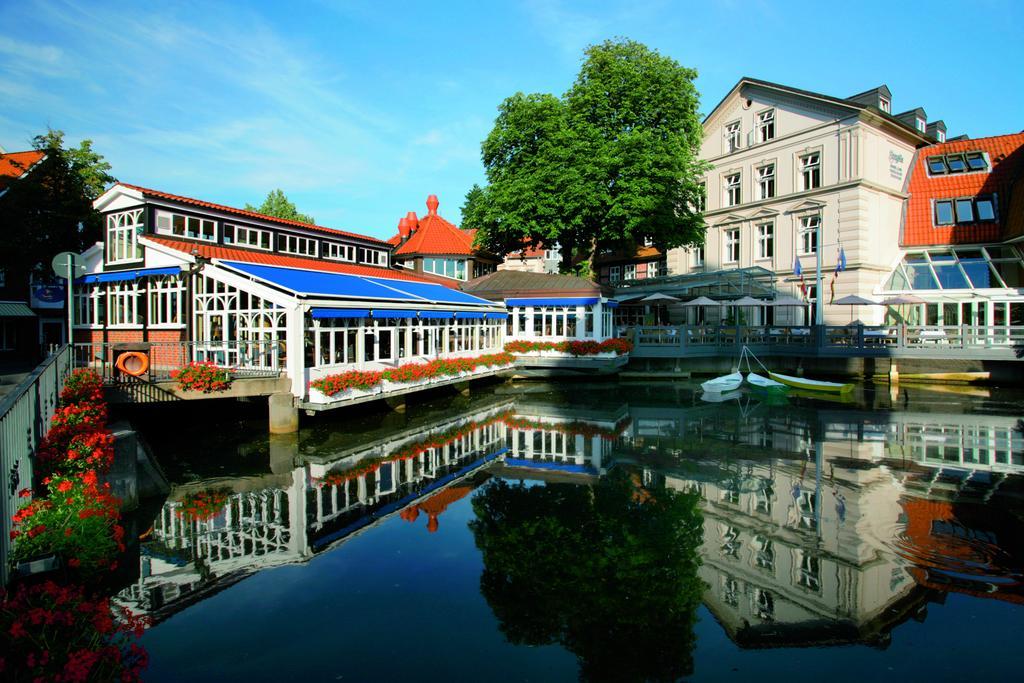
(50, 209)
(610, 164)
(609, 572)
(278, 205)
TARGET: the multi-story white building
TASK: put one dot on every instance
(794, 172)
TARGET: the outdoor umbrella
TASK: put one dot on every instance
(701, 301)
(785, 300)
(855, 300)
(902, 300)
(747, 302)
(659, 297)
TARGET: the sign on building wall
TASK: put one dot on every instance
(46, 294)
(896, 165)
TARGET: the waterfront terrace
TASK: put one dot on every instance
(181, 280)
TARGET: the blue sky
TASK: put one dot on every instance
(359, 110)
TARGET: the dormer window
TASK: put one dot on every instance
(884, 104)
(964, 162)
(937, 165)
(940, 135)
(922, 125)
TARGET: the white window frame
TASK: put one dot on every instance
(191, 227)
(921, 124)
(629, 271)
(244, 236)
(810, 170)
(733, 188)
(698, 256)
(123, 304)
(165, 307)
(338, 251)
(451, 268)
(766, 125)
(766, 241)
(766, 181)
(807, 240)
(122, 236)
(731, 243)
(702, 196)
(732, 135)
(614, 273)
(297, 245)
(373, 257)
(884, 104)
(90, 306)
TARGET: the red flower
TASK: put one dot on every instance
(64, 486)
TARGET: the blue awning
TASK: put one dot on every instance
(437, 315)
(321, 313)
(548, 465)
(319, 283)
(468, 315)
(393, 313)
(611, 304)
(568, 301)
(496, 316)
(125, 275)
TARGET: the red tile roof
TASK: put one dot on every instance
(1006, 156)
(16, 164)
(435, 236)
(250, 214)
(269, 258)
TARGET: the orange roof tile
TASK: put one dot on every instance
(1006, 156)
(250, 214)
(16, 164)
(435, 236)
(269, 258)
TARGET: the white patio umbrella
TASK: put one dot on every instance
(659, 297)
(785, 300)
(902, 300)
(748, 301)
(701, 301)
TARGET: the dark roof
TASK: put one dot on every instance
(507, 283)
(251, 214)
(839, 101)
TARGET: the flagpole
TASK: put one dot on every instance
(819, 302)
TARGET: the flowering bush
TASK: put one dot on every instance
(90, 451)
(575, 348)
(202, 376)
(82, 386)
(77, 521)
(204, 505)
(50, 632)
(410, 372)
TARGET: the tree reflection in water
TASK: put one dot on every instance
(608, 571)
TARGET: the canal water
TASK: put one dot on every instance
(592, 531)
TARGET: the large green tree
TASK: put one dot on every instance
(50, 209)
(609, 572)
(609, 165)
(278, 205)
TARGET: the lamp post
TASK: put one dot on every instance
(68, 264)
(819, 302)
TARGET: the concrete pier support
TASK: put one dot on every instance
(283, 449)
(284, 416)
(894, 372)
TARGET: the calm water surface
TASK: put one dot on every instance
(598, 531)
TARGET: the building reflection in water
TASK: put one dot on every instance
(819, 526)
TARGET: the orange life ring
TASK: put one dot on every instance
(132, 363)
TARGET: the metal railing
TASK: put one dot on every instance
(25, 415)
(242, 358)
(949, 341)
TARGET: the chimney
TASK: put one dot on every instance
(414, 222)
(432, 205)
(403, 229)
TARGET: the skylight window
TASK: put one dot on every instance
(944, 212)
(964, 211)
(937, 165)
(976, 161)
(985, 208)
(956, 163)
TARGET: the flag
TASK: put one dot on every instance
(798, 270)
(840, 267)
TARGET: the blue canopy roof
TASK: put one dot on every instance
(496, 316)
(321, 313)
(469, 315)
(125, 275)
(566, 301)
(393, 313)
(318, 283)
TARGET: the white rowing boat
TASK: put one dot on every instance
(811, 384)
(761, 382)
(715, 397)
(722, 384)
